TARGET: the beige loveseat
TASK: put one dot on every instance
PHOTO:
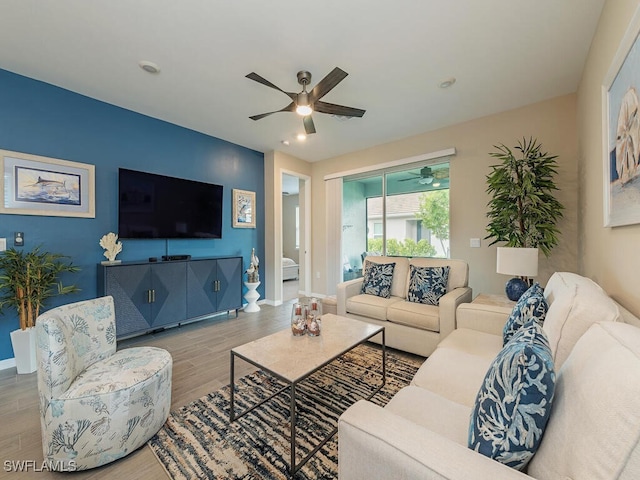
(593, 430)
(412, 327)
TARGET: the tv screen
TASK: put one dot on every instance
(156, 206)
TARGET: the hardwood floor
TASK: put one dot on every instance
(200, 354)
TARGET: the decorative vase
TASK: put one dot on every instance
(24, 349)
(515, 288)
(299, 319)
(314, 313)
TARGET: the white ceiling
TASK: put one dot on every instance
(503, 53)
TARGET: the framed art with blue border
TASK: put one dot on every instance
(35, 185)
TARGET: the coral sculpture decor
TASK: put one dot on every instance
(111, 246)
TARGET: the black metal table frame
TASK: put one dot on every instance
(291, 385)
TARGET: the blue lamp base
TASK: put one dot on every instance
(515, 288)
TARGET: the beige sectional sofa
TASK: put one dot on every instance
(412, 327)
(593, 431)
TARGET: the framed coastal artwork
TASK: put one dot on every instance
(621, 132)
(244, 209)
(35, 185)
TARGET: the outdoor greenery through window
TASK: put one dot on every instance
(398, 213)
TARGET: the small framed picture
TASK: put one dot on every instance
(244, 209)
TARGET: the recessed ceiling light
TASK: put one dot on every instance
(447, 83)
(302, 137)
(149, 67)
(285, 142)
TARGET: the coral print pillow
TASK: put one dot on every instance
(530, 305)
(514, 403)
(377, 279)
(427, 284)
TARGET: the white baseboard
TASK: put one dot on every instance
(272, 303)
(8, 363)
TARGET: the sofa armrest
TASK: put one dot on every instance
(448, 306)
(375, 443)
(483, 318)
(345, 290)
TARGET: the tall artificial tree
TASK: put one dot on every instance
(523, 211)
(28, 280)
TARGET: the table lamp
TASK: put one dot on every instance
(522, 262)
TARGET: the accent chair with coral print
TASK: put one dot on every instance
(96, 405)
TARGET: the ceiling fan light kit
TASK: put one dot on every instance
(427, 175)
(305, 103)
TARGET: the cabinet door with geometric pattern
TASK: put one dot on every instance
(129, 286)
(201, 288)
(230, 284)
(169, 293)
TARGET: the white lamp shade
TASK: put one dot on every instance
(522, 262)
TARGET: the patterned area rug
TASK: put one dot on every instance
(198, 441)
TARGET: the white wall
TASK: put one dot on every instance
(552, 122)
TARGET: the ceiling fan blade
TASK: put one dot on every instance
(341, 110)
(327, 83)
(257, 78)
(289, 108)
(309, 127)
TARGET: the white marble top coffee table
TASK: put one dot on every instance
(293, 359)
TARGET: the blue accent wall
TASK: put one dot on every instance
(41, 119)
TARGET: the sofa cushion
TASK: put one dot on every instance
(474, 342)
(530, 305)
(454, 374)
(419, 315)
(123, 370)
(400, 273)
(432, 411)
(575, 303)
(514, 402)
(427, 284)
(594, 431)
(458, 269)
(377, 279)
(370, 305)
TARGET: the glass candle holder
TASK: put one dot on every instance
(313, 325)
(299, 319)
(314, 322)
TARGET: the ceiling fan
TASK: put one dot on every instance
(305, 103)
(427, 175)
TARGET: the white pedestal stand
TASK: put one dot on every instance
(252, 297)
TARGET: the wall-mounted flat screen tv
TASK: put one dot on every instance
(156, 206)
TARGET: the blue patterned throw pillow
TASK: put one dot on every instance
(377, 279)
(514, 403)
(427, 284)
(530, 305)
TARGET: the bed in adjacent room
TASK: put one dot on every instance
(289, 269)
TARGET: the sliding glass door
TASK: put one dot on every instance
(397, 212)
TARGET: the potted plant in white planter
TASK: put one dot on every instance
(27, 280)
(523, 210)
